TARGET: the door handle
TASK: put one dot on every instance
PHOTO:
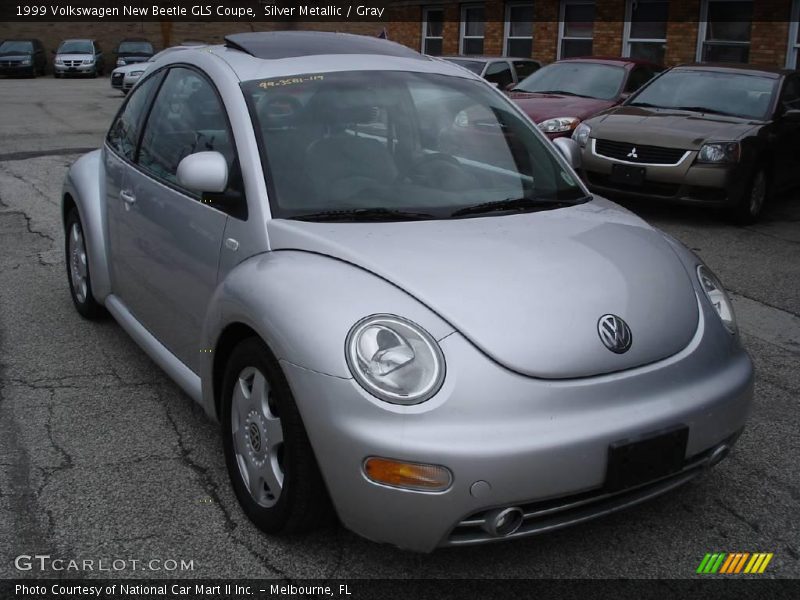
(127, 197)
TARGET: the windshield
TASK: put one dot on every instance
(135, 48)
(16, 47)
(76, 47)
(398, 141)
(735, 94)
(475, 66)
(573, 78)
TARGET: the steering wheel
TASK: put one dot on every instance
(436, 169)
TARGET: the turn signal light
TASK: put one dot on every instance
(410, 476)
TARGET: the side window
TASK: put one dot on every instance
(638, 77)
(525, 68)
(499, 72)
(187, 117)
(123, 134)
(791, 94)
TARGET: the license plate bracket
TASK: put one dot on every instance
(632, 462)
(628, 174)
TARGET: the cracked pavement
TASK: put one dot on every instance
(103, 457)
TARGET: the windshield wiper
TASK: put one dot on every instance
(517, 204)
(704, 109)
(645, 104)
(364, 214)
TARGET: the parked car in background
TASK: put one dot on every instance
(502, 71)
(556, 360)
(124, 78)
(133, 50)
(22, 57)
(79, 57)
(564, 93)
(720, 135)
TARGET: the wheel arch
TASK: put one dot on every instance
(231, 336)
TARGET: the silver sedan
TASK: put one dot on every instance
(397, 297)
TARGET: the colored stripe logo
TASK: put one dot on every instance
(734, 563)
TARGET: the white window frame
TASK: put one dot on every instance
(793, 49)
(463, 27)
(627, 40)
(425, 36)
(703, 28)
(561, 15)
(507, 26)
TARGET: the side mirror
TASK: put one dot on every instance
(624, 96)
(204, 172)
(792, 115)
(570, 150)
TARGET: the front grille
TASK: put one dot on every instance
(73, 63)
(548, 515)
(651, 188)
(637, 153)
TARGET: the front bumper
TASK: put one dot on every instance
(685, 182)
(16, 69)
(76, 70)
(511, 440)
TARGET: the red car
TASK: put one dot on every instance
(564, 93)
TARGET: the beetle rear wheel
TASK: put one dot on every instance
(270, 461)
(77, 259)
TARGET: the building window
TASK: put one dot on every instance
(725, 31)
(519, 29)
(645, 34)
(793, 53)
(576, 28)
(472, 29)
(432, 30)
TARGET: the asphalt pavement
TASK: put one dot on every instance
(102, 457)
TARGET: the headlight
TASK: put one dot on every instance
(581, 134)
(59, 61)
(559, 124)
(25, 62)
(88, 61)
(135, 74)
(121, 62)
(719, 152)
(716, 294)
(394, 359)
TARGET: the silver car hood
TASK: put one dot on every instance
(528, 289)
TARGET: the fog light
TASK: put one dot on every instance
(410, 476)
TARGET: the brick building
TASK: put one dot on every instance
(671, 31)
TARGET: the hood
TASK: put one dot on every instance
(125, 69)
(547, 106)
(528, 289)
(672, 128)
(134, 58)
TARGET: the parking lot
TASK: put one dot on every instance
(103, 457)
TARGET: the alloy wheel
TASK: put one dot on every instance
(78, 267)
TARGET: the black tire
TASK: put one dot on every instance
(83, 299)
(302, 503)
(750, 204)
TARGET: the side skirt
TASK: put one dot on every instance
(187, 379)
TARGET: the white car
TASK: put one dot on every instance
(125, 77)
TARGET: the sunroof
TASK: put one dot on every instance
(289, 44)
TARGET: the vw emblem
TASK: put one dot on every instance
(632, 153)
(615, 333)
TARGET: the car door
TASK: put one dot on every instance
(786, 137)
(170, 237)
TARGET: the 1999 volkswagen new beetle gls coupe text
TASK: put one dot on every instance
(440, 343)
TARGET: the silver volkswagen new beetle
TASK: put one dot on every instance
(397, 297)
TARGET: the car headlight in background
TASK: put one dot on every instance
(716, 294)
(133, 74)
(25, 62)
(88, 61)
(394, 359)
(581, 134)
(121, 62)
(559, 124)
(59, 61)
(719, 152)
